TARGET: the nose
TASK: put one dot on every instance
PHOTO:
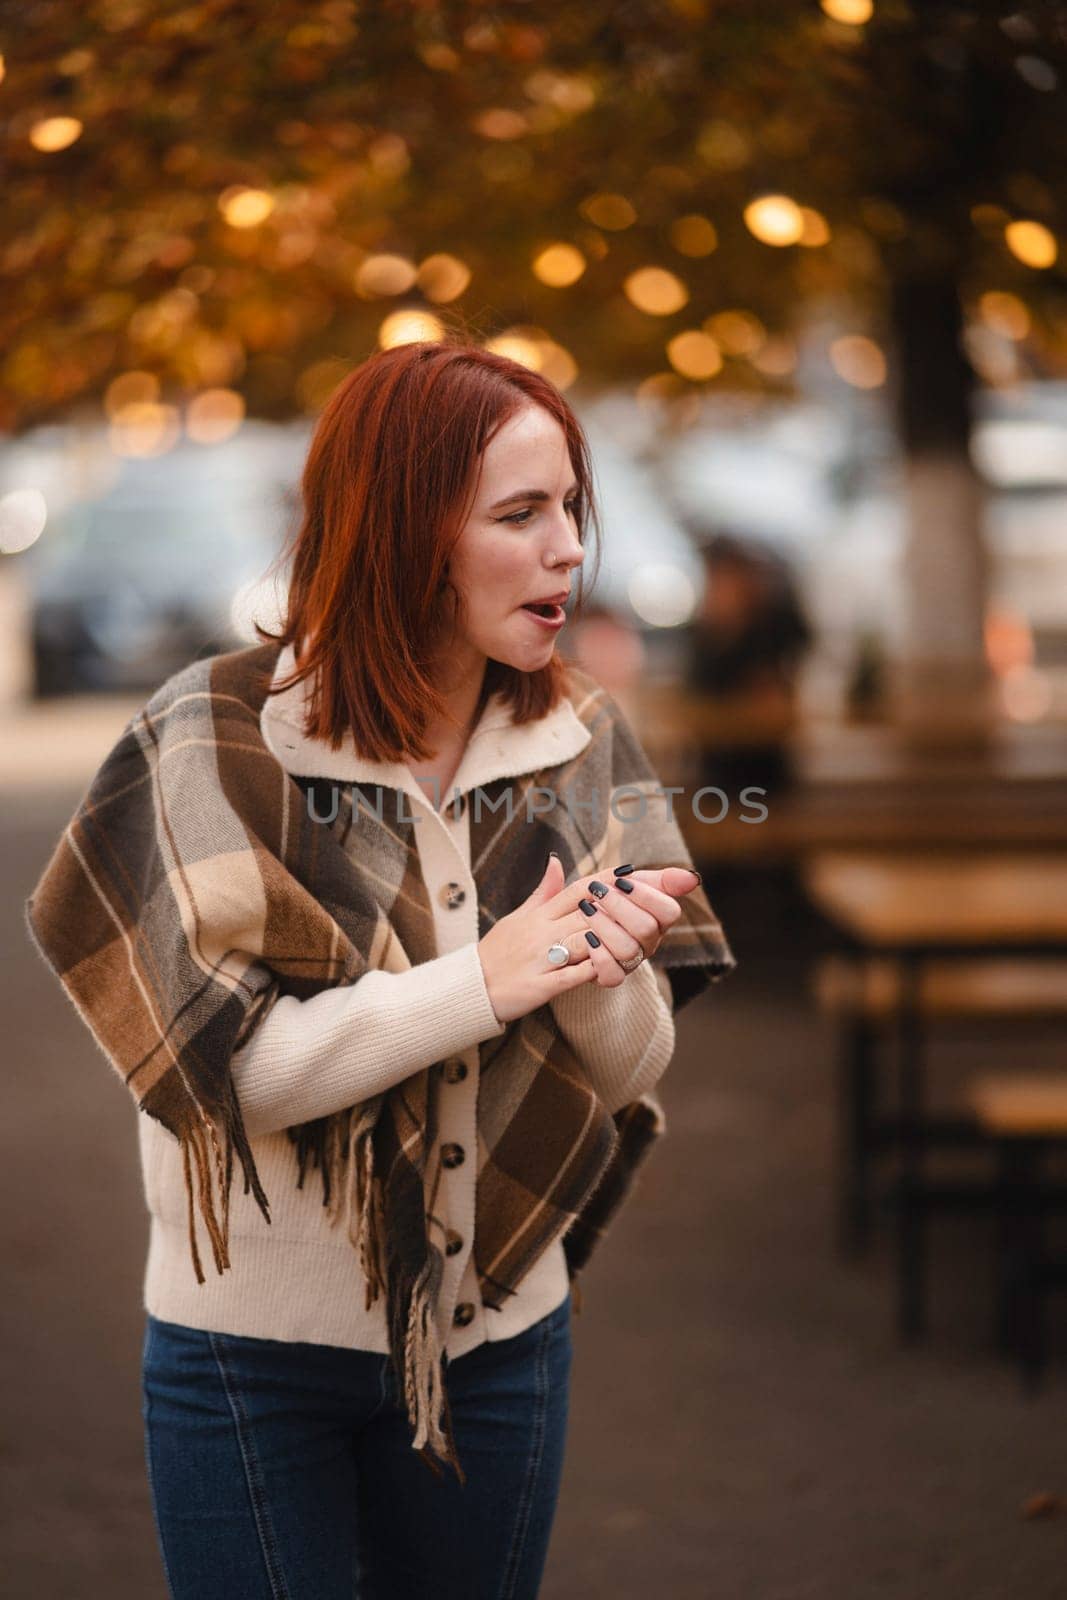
(563, 544)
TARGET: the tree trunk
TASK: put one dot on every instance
(942, 688)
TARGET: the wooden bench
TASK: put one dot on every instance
(1011, 1105)
(862, 995)
(980, 987)
(1023, 1114)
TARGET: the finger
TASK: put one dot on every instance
(575, 946)
(675, 881)
(662, 906)
(625, 909)
(640, 888)
(560, 979)
(618, 942)
(609, 973)
(645, 889)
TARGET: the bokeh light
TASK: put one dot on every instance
(610, 211)
(859, 361)
(694, 354)
(1004, 313)
(129, 389)
(214, 416)
(409, 326)
(381, 275)
(557, 364)
(662, 595)
(1031, 243)
(23, 514)
(55, 133)
(693, 235)
(536, 349)
(144, 428)
(442, 277)
(853, 12)
(774, 219)
(656, 291)
(815, 229)
(245, 208)
(499, 122)
(559, 265)
(517, 347)
(738, 333)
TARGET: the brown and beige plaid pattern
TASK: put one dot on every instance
(192, 888)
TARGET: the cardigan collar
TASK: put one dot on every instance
(497, 747)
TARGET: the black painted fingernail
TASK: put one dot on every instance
(629, 867)
(598, 888)
(621, 883)
(588, 907)
(592, 939)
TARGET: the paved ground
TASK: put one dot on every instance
(743, 1426)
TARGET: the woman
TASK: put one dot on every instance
(414, 997)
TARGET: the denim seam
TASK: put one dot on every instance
(533, 1465)
(253, 1474)
(146, 1412)
(383, 1386)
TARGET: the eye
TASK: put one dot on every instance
(521, 518)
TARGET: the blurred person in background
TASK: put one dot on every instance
(742, 655)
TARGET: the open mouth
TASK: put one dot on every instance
(551, 612)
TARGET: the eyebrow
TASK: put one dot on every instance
(529, 494)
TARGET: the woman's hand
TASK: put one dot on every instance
(518, 977)
(640, 906)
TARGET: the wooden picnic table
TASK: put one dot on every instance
(917, 909)
(937, 901)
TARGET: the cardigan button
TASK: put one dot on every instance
(453, 1155)
(453, 1242)
(463, 1313)
(453, 895)
(454, 1071)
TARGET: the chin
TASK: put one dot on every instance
(530, 660)
(528, 656)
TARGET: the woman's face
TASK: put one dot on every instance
(519, 544)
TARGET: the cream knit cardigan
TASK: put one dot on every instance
(298, 1278)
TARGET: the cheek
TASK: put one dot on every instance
(497, 571)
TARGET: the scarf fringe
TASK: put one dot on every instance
(208, 1144)
(425, 1395)
(343, 1146)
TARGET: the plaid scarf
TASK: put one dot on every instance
(192, 887)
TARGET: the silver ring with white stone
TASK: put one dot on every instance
(558, 955)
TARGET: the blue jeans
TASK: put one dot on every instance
(283, 1471)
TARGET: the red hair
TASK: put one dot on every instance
(390, 476)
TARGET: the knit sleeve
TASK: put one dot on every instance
(311, 1058)
(624, 1037)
